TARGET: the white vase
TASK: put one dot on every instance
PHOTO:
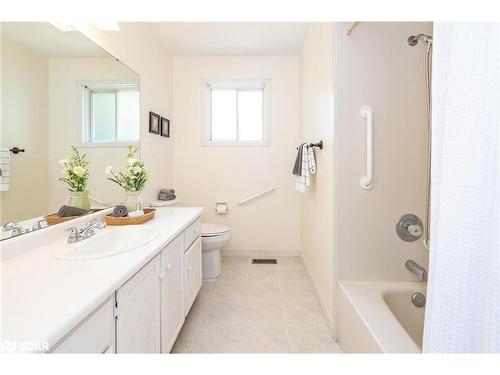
(79, 199)
(133, 200)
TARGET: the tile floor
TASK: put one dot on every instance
(255, 308)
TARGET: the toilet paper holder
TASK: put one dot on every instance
(221, 208)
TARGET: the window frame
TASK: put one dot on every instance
(241, 85)
(85, 128)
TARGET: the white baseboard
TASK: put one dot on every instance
(260, 253)
(326, 313)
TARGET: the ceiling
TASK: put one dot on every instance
(230, 38)
(49, 41)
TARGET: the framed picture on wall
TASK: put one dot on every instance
(154, 123)
(165, 127)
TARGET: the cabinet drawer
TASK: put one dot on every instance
(191, 233)
(192, 274)
(94, 335)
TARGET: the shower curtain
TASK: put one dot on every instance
(463, 304)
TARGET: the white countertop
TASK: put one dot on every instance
(43, 298)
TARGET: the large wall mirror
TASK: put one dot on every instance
(59, 89)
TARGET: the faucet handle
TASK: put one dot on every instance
(415, 230)
(38, 224)
(8, 226)
(73, 232)
(96, 222)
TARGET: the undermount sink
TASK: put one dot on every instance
(107, 242)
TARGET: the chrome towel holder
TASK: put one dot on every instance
(319, 145)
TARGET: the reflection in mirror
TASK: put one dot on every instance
(59, 89)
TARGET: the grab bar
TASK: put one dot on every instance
(94, 199)
(367, 181)
(99, 201)
(242, 202)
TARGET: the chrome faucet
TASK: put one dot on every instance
(416, 269)
(38, 224)
(76, 235)
(15, 228)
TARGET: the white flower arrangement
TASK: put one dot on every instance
(134, 176)
(75, 170)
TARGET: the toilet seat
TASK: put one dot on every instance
(213, 230)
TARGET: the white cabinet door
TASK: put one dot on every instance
(96, 334)
(138, 311)
(171, 274)
(192, 274)
(191, 233)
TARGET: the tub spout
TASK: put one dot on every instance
(416, 269)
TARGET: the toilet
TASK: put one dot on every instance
(213, 238)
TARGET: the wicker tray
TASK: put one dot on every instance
(54, 218)
(149, 213)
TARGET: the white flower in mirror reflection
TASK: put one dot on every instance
(137, 170)
(108, 169)
(79, 170)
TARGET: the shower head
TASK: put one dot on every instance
(413, 39)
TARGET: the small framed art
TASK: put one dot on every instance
(154, 123)
(165, 127)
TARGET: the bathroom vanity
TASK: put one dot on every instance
(123, 302)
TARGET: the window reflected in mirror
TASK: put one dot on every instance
(110, 112)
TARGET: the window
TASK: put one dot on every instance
(110, 113)
(236, 112)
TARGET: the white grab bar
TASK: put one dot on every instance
(367, 181)
(94, 199)
(242, 202)
(99, 201)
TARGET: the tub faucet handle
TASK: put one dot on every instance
(415, 230)
(409, 227)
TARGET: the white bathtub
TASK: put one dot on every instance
(379, 317)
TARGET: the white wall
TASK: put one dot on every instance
(206, 174)
(24, 124)
(138, 49)
(65, 122)
(375, 66)
(317, 124)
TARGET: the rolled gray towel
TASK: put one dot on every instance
(120, 210)
(166, 196)
(167, 191)
(66, 211)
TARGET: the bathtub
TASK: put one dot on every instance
(379, 317)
